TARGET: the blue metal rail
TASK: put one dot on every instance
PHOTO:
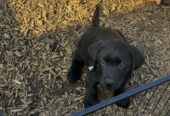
(122, 96)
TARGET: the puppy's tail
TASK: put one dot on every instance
(95, 20)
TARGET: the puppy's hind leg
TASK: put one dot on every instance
(75, 70)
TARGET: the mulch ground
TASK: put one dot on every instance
(36, 43)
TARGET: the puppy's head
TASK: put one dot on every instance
(112, 61)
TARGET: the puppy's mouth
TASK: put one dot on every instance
(110, 86)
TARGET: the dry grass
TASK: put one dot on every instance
(37, 40)
(37, 17)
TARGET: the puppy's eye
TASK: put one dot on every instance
(122, 65)
(103, 62)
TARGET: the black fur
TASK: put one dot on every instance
(110, 57)
(95, 20)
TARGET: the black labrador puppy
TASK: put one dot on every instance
(109, 58)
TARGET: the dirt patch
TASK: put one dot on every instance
(37, 40)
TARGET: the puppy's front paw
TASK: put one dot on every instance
(89, 101)
(124, 103)
(73, 76)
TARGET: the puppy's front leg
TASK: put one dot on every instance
(125, 103)
(76, 68)
(91, 97)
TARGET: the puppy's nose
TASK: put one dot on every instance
(109, 85)
(113, 85)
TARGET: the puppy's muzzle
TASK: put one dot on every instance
(112, 84)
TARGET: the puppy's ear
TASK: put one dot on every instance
(137, 56)
(92, 51)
